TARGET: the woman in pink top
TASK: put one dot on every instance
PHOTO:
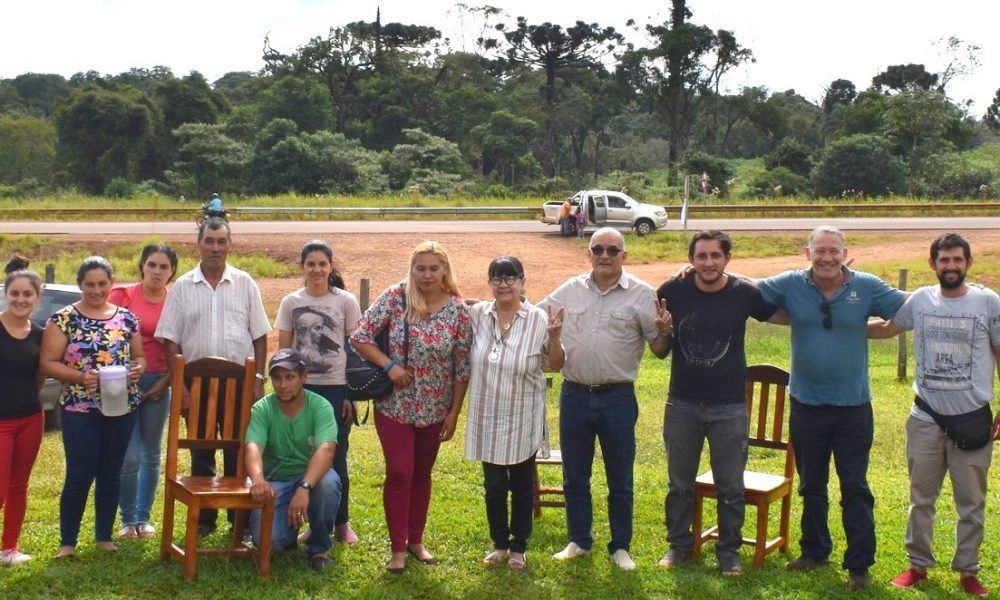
(141, 470)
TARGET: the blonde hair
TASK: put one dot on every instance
(416, 305)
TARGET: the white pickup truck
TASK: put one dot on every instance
(610, 209)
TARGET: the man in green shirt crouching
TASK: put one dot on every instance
(290, 443)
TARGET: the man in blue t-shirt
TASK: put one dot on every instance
(707, 397)
(290, 443)
(828, 306)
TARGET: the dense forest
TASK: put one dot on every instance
(540, 108)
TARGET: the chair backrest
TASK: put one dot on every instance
(767, 399)
(228, 387)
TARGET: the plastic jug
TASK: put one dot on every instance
(114, 390)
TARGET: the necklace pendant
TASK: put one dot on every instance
(494, 356)
(506, 325)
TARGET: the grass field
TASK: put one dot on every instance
(457, 531)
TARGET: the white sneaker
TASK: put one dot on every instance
(13, 557)
(570, 551)
(622, 560)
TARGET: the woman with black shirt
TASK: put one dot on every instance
(21, 416)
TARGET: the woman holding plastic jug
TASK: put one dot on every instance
(141, 469)
(85, 345)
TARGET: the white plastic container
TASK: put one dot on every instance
(114, 390)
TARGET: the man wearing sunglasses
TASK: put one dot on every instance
(609, 318)
(707, 398)
(828, 306)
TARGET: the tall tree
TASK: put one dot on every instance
(840, 93)
(686, 62)
(553, 49)
(27, 149)
(901, 78)
(992, 116)
(105, 134)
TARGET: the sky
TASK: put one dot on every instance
(798, 44)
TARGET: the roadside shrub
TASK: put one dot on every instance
(719, 170)
(30, 187)
(431, 182)
(780, 181)
(792, 154)
(118, 187)
(862, 163)
(955, 176)
(636, 185)
(8, 191)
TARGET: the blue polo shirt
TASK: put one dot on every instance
(830, 366)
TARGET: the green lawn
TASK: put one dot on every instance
(457, 531)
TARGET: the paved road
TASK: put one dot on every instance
(380, 226)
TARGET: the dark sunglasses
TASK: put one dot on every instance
(824, 308)
(612, 251)
(508, 279)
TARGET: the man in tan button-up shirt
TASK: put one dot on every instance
(609, 317)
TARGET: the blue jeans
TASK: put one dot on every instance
(686, 426)
(141, 469)
(324, 499)
(564, 226)
(336, 395)
(95, 448)
(610, 417)
(846, 433)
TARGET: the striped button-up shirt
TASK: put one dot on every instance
(214, 322)
(506, 409)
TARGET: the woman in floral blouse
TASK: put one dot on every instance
(430, 373)
(78, 340)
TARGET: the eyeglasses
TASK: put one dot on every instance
(612, 251)
(508, 279)
(824, 308)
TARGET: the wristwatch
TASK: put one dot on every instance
(260, 376)
(306, 485)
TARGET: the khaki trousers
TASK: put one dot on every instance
(929, 455)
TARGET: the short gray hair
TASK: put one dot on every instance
(215, 224)
(830, 229)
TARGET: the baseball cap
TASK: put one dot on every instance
(286, 358)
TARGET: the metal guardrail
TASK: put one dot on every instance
(527, 211)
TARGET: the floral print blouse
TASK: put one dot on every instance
(93, 343)
(438, 356)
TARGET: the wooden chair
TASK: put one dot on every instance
(197, 492)
(767, 419)
(555, 458)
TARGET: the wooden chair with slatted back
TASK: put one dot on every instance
(219, 377)
(767, 410)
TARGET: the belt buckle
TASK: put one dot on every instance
(598, 388)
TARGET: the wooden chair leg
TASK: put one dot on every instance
(760, 547)
(191, 541)
(786, 509)
(696, 524)
(167, 528)
(264, 551)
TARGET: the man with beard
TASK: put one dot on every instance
(214, 310)
(957, 345)
(707, 398)
(828, 307)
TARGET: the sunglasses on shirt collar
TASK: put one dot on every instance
(824, 308)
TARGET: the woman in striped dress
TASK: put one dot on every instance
(514, 343)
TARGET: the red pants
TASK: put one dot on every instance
(409, 453)
(20, 440)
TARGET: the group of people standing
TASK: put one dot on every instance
(594, 328)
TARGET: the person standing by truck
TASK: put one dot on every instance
(565, 218)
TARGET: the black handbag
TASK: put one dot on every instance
(365, 380)
(969, 431)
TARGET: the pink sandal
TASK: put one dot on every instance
(517, 562)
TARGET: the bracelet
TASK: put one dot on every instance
(389, 366)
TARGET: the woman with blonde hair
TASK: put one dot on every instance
(430, 336)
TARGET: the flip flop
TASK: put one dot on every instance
(518, 561)
(496, 557)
